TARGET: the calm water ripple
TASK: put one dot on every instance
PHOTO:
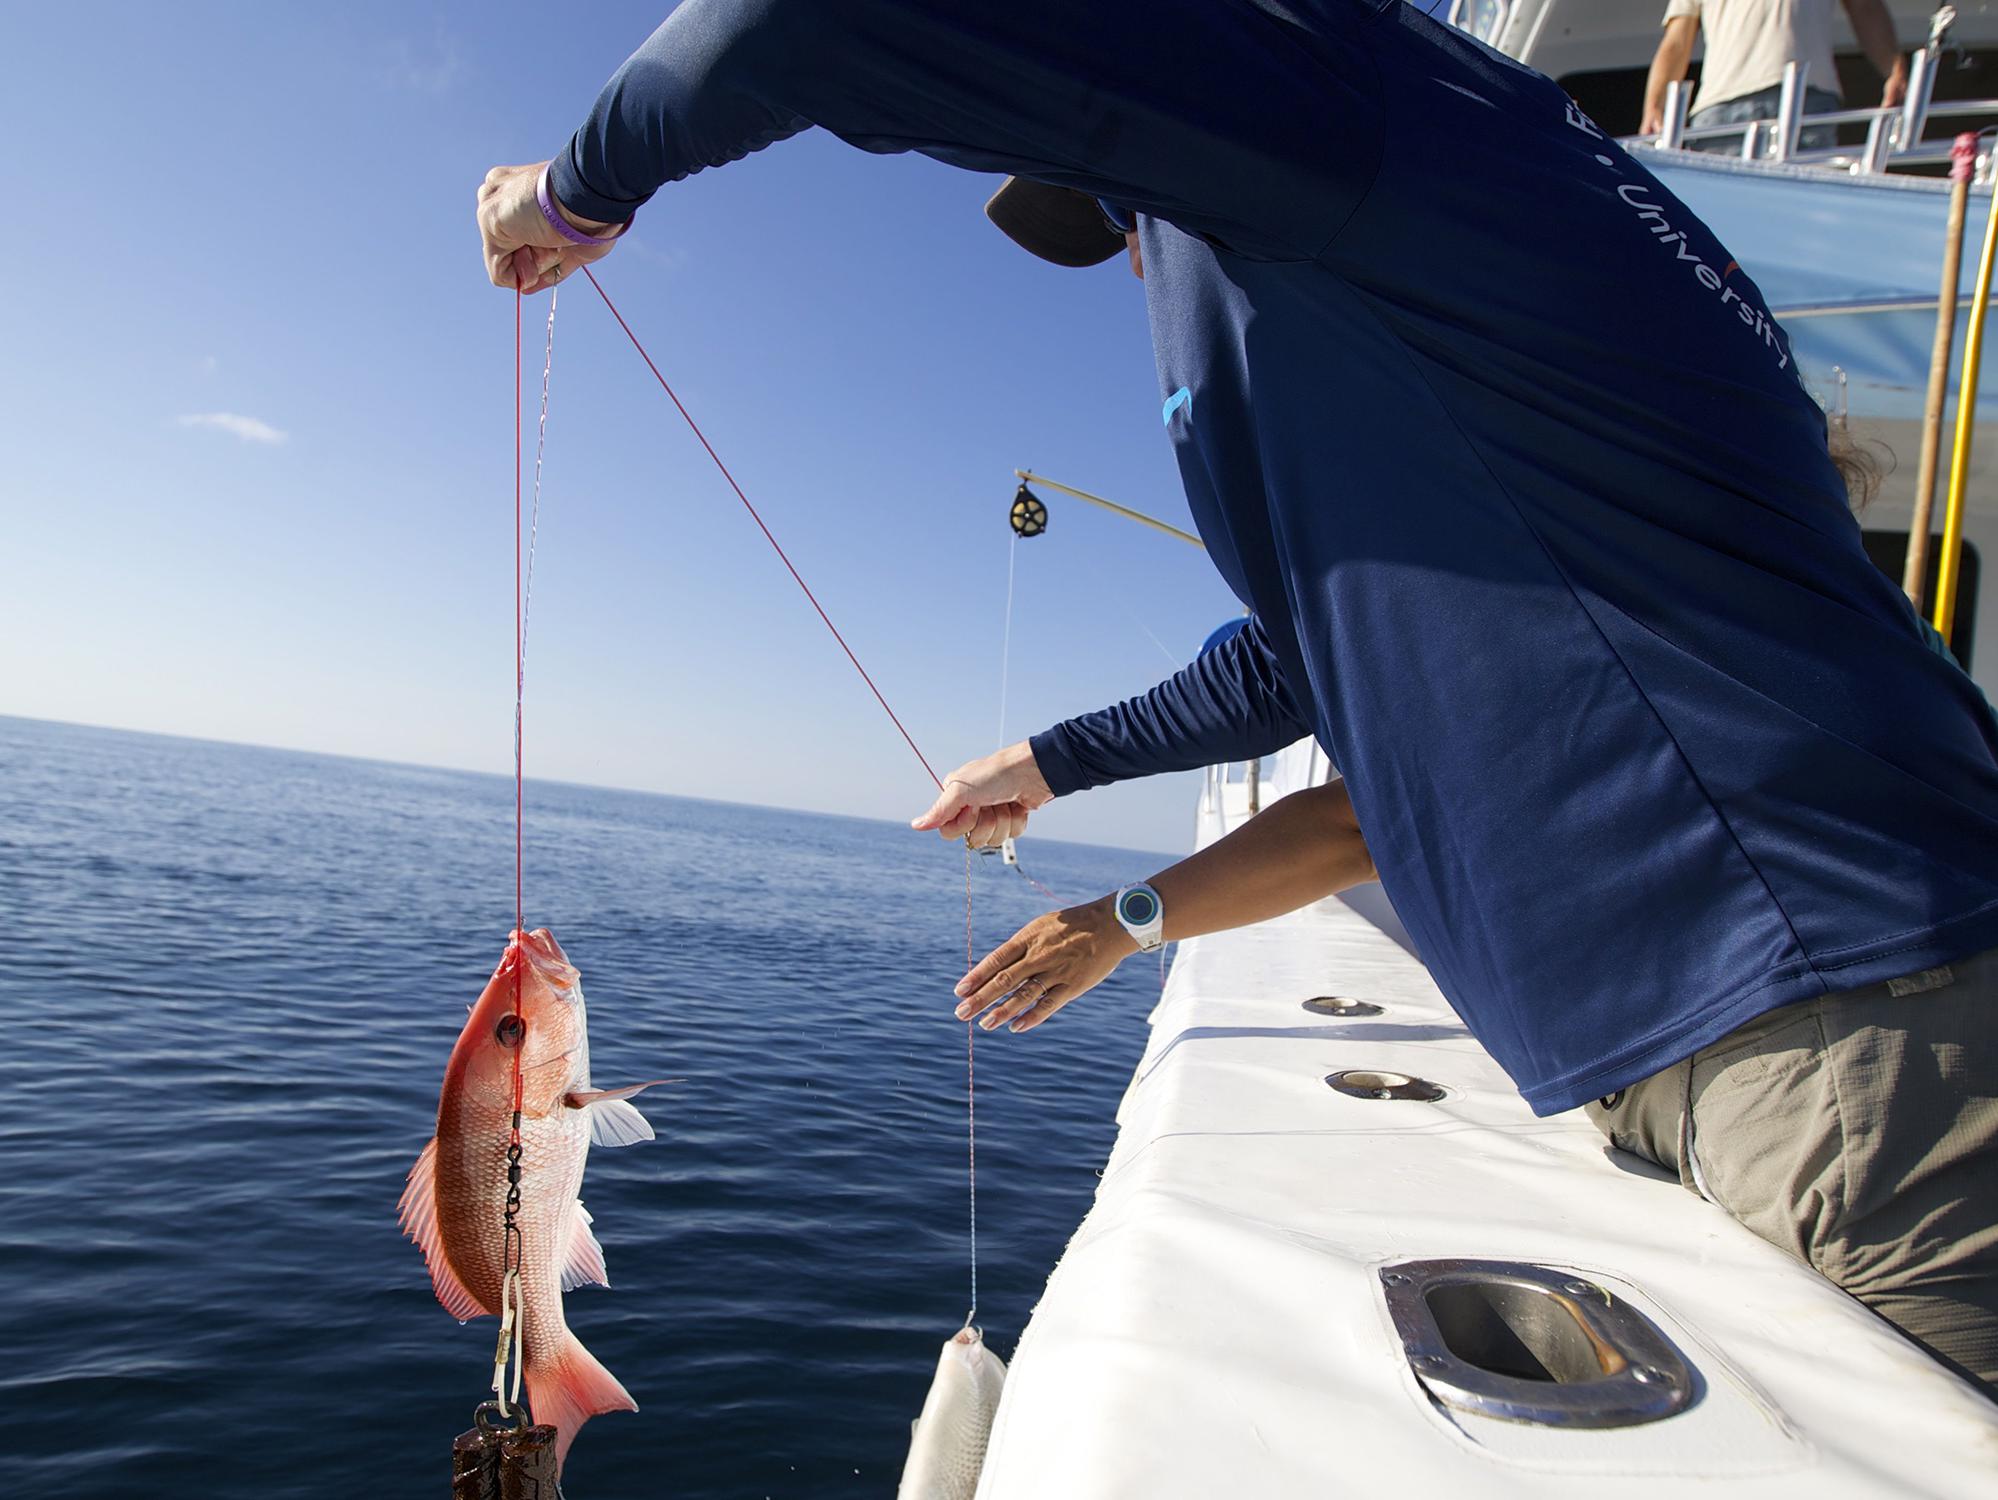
(234, 979)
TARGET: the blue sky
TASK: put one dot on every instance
(259, 409)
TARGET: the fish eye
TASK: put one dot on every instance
(509, 1031)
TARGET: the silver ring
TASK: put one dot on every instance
(1040, 989)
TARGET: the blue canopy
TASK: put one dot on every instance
(1222, 633)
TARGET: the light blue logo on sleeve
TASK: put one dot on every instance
(1181, 397)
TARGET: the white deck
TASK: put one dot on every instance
(1217, 1329)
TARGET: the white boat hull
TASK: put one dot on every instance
(1217, 1326)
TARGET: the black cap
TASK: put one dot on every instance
(1057, 224)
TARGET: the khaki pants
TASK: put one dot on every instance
(1859, 1132)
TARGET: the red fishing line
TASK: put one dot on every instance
(776, 546)
(519, 704)
(970, 1030)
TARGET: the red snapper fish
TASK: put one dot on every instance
(454, 1204)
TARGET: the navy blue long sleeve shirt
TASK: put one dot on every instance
(1231, 703)
(1508, 458)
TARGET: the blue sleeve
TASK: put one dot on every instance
(1243, 120)
(1231, 703)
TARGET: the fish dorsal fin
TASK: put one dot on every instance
(613, 1121)
(585, 1265)
(419, 1221)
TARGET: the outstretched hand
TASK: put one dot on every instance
(522, 249)
(1045, 965)
(986, 801)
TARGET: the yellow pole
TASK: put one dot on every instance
(1915, 576)
(1112, 506)
(1966, 420)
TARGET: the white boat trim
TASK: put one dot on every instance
(1218, 1325)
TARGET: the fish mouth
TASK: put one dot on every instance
(540, 949)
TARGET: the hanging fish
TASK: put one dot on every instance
(947, 1442)
(453, 1206)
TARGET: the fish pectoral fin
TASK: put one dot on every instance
(419, 1221)
(613, 1121)
(585, 1265)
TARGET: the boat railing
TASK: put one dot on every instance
(1895, 135)
(1233, 791)
(1894, 140)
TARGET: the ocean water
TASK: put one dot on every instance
(232, 978)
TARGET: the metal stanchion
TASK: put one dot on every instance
(1790, 109)
(1672, 134)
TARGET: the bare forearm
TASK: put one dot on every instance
(1303, 847)
(1300, 849)
(1873, 27)
(1668, 65)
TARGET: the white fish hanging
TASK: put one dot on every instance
(947, 1442)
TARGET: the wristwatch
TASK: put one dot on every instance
(1142, 914)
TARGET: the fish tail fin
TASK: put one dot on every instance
(568, 1388)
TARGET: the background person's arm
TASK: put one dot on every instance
(1668, 66)
(1874, 28)
(1300, 849)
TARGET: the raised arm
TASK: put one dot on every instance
(1302, 848)
(1668, 66)
(1212, 114)
(1231, 703)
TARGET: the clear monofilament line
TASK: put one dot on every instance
(1173, 661)
(540, 452)
(879, 697)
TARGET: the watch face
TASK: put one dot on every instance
(1139, 908)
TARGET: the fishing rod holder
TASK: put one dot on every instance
(1368, 1083)
(1530, 1343)
(1341, 1006)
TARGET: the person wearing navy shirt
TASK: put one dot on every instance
(1543, 543)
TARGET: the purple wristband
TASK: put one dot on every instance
(561, 225)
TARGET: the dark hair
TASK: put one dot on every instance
(1857, 464)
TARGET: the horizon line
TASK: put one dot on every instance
(592, 786)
